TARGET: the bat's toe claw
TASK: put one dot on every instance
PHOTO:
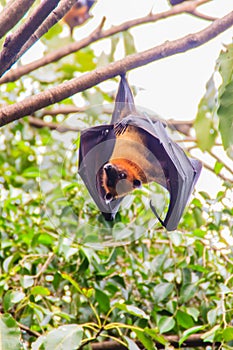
(120, 128)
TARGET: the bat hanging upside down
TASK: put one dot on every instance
(78, 14)
(132, 163)
(131, 151)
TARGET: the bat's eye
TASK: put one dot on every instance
(105, 132)
(122, 176)
(137, 183)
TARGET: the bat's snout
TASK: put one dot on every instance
(108, 197)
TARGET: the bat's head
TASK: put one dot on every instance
(120, 177)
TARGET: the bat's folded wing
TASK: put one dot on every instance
(180, 172)
(181, 177)
(96, 146)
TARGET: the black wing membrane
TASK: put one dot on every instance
(97, 145)
(181, 172)
(124, 103)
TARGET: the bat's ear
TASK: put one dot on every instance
(124, 103)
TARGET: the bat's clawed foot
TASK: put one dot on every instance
(120, 128)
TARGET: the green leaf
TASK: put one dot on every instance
(85, 60)
(31, 172)
(176, 238)
(131, 344)
(228, 334)
(54, 31)
(209, 336)
(147, 342)
(11, 298)
(9, 333)
(212, 316)
(132, 310)
(114, 42)
(194, 312)
(204, 123)
(38, 290)
(162, 291)
(129, 43)
(197, 213)
(103, 300)
(153, 333)
(187, 292)
(64, 337)
(217, 167)
(72, 281)
(225, 65)
(189, 332)
(225, 113)
(184, 319)
(166, 324)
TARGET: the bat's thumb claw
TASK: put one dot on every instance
(156, 214)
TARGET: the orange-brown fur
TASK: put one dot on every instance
(76, 16)
(132, 156)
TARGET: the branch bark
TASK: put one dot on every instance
(14, 42)
(186, 7)
(87, 80)
(12, 13)
(52, 19)
(193, 341)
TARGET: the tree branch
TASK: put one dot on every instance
(14, 42)
(52, 19)
(98, 34)
(194, 340)
(87, 80)
(222, 177)
(28, 330)
(12, 13)
(39, 123)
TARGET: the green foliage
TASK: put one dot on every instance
(225, 110)
(67, 277)
(215, 110)
(204, 123)
(9, 333)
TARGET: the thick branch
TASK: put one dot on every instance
(53, 18)
(12, 13)
(14, 42)
(98, 34)
(194, 340)
(58, 93)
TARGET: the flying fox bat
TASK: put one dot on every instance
(78, 14)
(131, 151)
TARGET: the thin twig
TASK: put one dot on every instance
(224, 178)
(44, 267)
(28, 330)
(203, 16)
(39, 123)
(98, 34)
(31, 104)
(221, 162)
